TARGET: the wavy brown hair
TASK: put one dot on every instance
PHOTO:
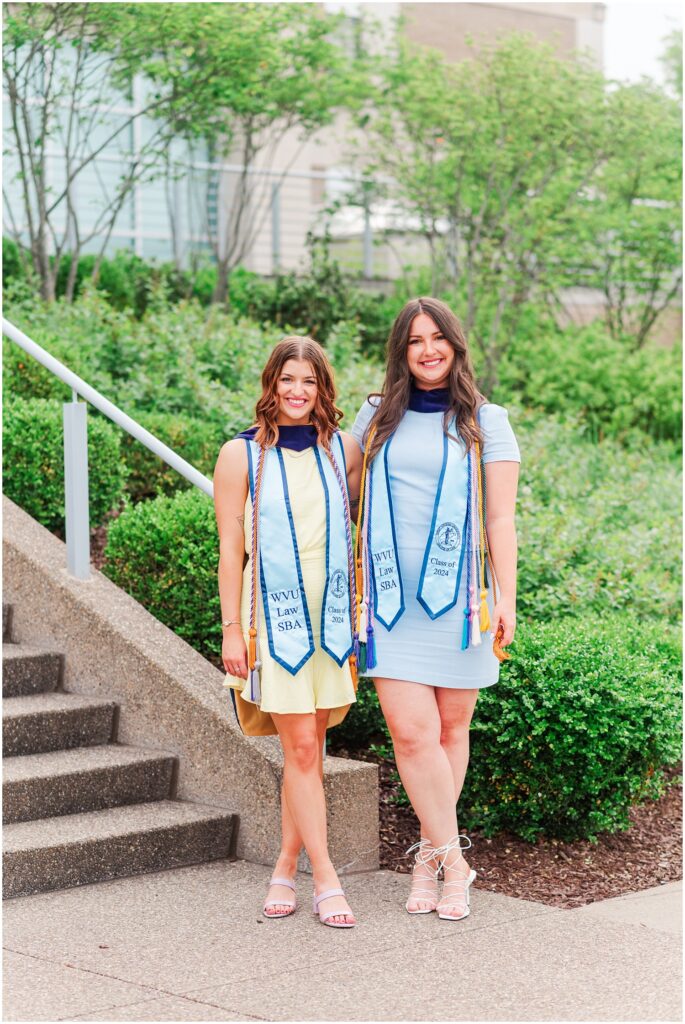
(465, 398)
(325, 414)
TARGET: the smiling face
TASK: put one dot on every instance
(296, 390)
(429, 354)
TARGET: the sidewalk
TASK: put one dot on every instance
(191, 945)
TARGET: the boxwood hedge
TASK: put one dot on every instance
(33, 461)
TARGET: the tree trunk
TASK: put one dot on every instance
(221, 287)
(46, 274)
(71, 279)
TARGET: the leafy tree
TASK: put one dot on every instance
(490, 157)
(672, 61)
(627, 234)
(236, 76)
(256, 72)
(64, 67)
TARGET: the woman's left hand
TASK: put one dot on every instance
(505, 614)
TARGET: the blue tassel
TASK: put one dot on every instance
(465, 634)
(355, 646)
(370, 649)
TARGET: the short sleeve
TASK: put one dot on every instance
(361, 424)
(499, 443)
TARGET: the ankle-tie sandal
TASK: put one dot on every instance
(461, 895)
(291, 904)
(424, 853)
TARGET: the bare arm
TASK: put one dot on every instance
(230, 494)
(502, 482)
(353, 459)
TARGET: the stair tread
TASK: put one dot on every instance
(56, 763)
(30, 703)
(15, 652)
(93, 826)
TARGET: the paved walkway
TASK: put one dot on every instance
(190, 945)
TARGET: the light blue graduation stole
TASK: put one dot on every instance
(446, 546)
(286, 614)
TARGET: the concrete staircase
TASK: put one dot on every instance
(77, 806)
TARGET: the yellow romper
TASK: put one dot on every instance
(320, 683)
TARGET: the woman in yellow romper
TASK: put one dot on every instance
(287, 614)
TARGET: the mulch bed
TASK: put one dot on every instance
(550, 871)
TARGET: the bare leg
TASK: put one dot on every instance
(413, 716)
(304, 794)
(291, 840)
(456, 711)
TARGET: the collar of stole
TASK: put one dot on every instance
(456, 544)
(284, 601)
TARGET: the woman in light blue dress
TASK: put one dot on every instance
(437, 574)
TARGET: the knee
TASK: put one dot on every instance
(412, 742)
(454, 733)
(303, 754)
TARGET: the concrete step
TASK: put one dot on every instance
(6, 623)
(85, 779)
(55, 721)
(58, 853)
(27, 670)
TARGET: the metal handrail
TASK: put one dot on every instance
(108, 408)
(75, 450)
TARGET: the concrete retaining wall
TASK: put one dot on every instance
(171, 698)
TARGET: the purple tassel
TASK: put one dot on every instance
(255, 682)
(370, 648)
(355, 646)
(466, 632)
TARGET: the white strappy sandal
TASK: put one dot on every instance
(280, 903)
(424, 853)
(461, 894)
(325, 917)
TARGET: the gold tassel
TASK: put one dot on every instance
(252, 648)
(352, 661)
(484, 612)
(498, 651)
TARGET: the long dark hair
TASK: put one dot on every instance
(325, 414)
(465, 398)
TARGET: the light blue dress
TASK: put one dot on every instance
(419, 649)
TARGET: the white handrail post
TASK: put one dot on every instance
(77, 518)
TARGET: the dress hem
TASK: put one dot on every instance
(274, 711)
(460, 684)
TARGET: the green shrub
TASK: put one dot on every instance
(165, 553)
(180, 360)
(617, 391)
(586, 715)
(194, 440)
(598, 524)
(583, 720)
(33, 462)
(12, 268)
(314, 302)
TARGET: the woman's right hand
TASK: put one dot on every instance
(234, 653)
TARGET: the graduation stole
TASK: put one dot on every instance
(275, 557)
(457, 543)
